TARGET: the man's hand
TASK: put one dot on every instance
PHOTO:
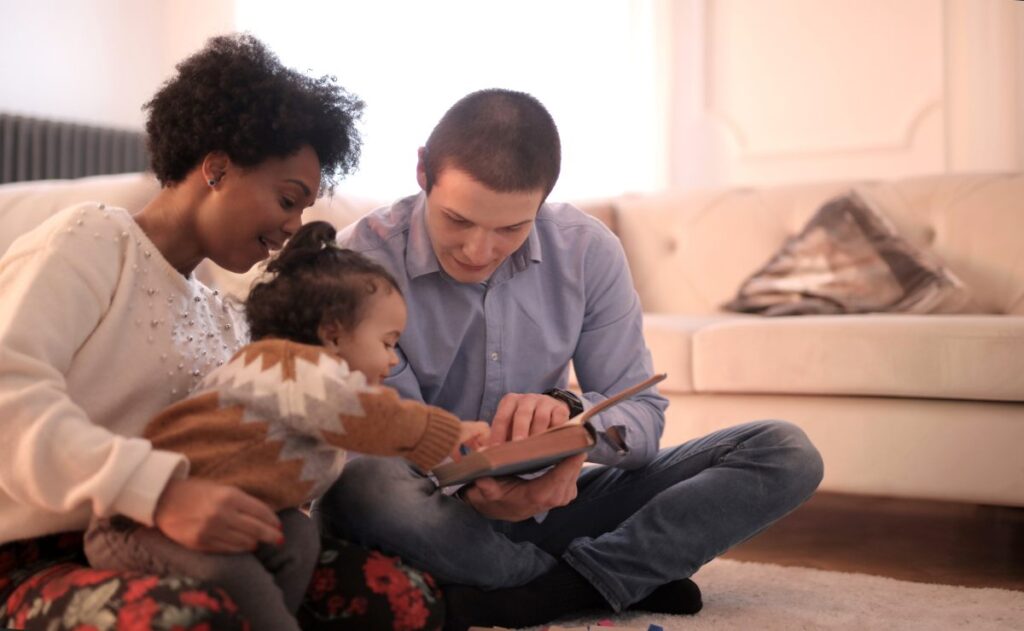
(211, 517)
(522, 415)
(514, 499)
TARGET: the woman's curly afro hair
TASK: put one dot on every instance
(235, 96)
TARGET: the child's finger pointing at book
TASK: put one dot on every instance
(471, 434)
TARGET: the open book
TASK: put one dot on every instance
(537, 451)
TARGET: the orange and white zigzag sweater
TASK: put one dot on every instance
(276, 420)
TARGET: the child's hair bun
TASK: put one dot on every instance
(313, 280)
(303, 248)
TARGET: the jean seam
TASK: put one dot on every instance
(585, 502)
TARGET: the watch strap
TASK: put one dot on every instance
(569, 398)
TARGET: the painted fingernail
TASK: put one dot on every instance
(280, 540)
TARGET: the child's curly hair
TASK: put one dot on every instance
(313, 282)
(235, 96)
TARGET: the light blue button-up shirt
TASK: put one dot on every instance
(564, 295)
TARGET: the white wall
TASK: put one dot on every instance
(410, 60)
(97, 61)
(793, 90)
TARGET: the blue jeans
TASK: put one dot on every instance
(627, 532)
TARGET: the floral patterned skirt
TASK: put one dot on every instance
(45, 583)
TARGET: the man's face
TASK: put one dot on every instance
(472, 228)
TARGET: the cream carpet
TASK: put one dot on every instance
(740, 595)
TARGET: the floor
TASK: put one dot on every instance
(914, 540)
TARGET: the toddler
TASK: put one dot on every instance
(277, 419)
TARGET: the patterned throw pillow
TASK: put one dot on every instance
(849, 259)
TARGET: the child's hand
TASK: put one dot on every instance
(472, 435)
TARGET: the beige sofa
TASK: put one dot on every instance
(905, 405)
(917, 406)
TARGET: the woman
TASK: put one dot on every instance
(103, 324)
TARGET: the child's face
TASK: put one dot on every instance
(370, 347)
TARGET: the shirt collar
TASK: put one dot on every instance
(528, 252)
(420, 259)
(532, 245)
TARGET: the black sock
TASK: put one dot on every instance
(677, 597)
(560, 592)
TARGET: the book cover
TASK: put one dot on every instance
(538, 451)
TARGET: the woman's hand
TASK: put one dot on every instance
(211, 517)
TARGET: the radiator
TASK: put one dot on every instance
(40, 149)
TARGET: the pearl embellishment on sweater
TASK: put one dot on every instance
(193, 325)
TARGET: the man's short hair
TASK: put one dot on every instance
(505, 140)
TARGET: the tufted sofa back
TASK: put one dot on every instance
(25, 205)
(690, 251)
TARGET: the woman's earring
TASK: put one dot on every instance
(212, 182)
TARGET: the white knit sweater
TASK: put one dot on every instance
(98, 333)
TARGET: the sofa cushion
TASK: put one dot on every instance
(977, 357)
(850, 259)
(670, 339)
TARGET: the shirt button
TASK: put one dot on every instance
(494, 356)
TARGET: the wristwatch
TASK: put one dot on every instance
(570, 399)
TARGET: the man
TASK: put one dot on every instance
(503, 291)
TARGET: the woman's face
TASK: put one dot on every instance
(253, 211)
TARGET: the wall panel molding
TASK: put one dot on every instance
(797, 90)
